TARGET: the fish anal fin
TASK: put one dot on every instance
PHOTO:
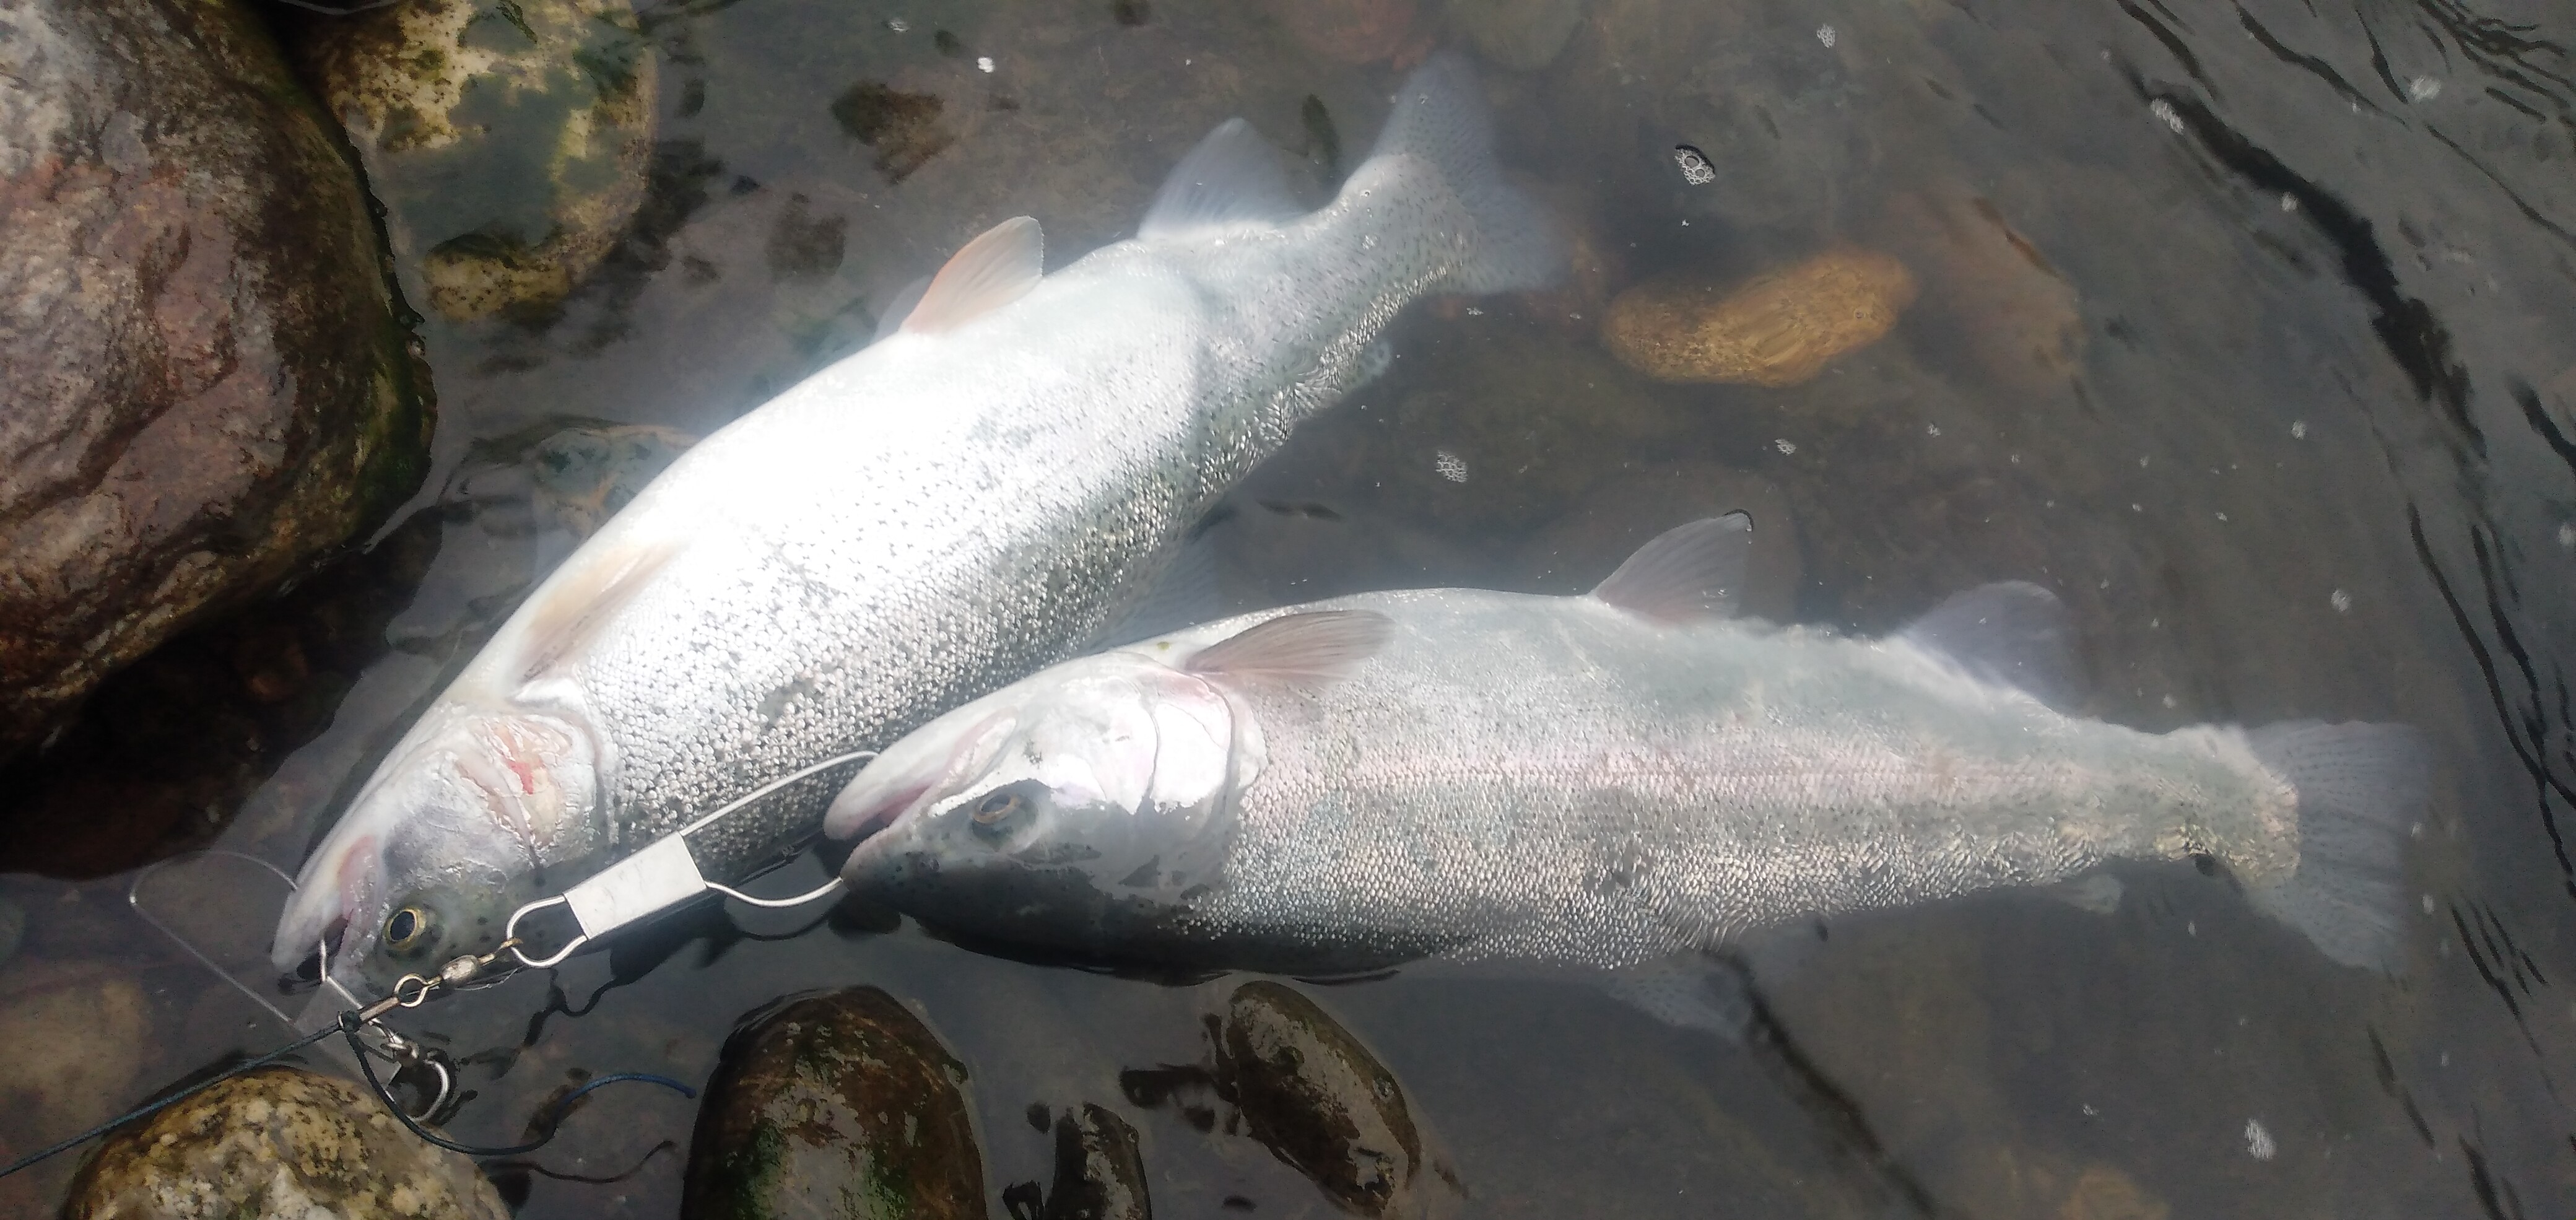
(584, 596)
(1692, 571)
(2009, 633)
(1231, 178)
(985, 274)
(1308, 647)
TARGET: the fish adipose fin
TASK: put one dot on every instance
(1231, 180)
(1689, 572)
(2011, 633)
(985, 274)
(1312, 647)
(2361, 788)
(1439, 119)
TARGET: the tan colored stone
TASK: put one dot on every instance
(1995, 295)
(279, 1142)
(75, 1034)
(1777, 329)
(2104, 1193)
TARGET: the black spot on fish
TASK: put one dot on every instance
(1039, 1118)
(949, 44)
(1130, 12)
(1143, 877)
(743, 184)
(1236, 1203)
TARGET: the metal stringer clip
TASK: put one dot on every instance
(660, 877)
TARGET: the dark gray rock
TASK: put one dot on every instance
(204, 378)
(839, 1104)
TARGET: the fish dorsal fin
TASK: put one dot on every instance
(985, 274)
(1232, 178)
(569, 613)
(898, 309)
(2010, 633)
(1688, 572)
(1313, 646)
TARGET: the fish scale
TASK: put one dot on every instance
(968, 499)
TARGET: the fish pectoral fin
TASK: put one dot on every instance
(1689, 572)
(1315, 646)
(2010, 633)
(1231, 178)
(985, 274)
(584, 595)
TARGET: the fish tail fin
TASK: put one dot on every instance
(2361, 788)
(1439, 123)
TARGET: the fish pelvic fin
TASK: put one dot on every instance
(998, 267)
(1689, 572)
(2360, 789)
(1508, 241)
(1231, 179)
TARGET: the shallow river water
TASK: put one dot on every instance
(2249, 328)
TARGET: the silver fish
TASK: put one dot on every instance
(1588, 782)
(950, 508)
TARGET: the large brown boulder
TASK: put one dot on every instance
(205, 379)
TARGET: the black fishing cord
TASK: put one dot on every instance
(545, 1120)
(349, 1025)
(165, 1103)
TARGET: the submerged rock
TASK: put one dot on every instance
(1777, 329)
(279, 1142)
(1993, 295)
(204, 379)
(75, 1035)
(1523, 35)
(1311, 1093)
(1099, 1172)
(1347, 31)
(838, 1104)
(508, 138)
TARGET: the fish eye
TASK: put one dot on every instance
(1002, 812)
(997, 806)
(407, 929)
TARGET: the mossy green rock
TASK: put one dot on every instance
(205, 381)
(508, 138)
(839, 1104)
(279, 1142)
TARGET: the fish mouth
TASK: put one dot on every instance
(925, 764)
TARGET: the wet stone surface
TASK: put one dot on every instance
(278, 1142)
(205, 381)
(1099, 1171)
(1295, 1081)
(508, 138)
(842, 1104)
